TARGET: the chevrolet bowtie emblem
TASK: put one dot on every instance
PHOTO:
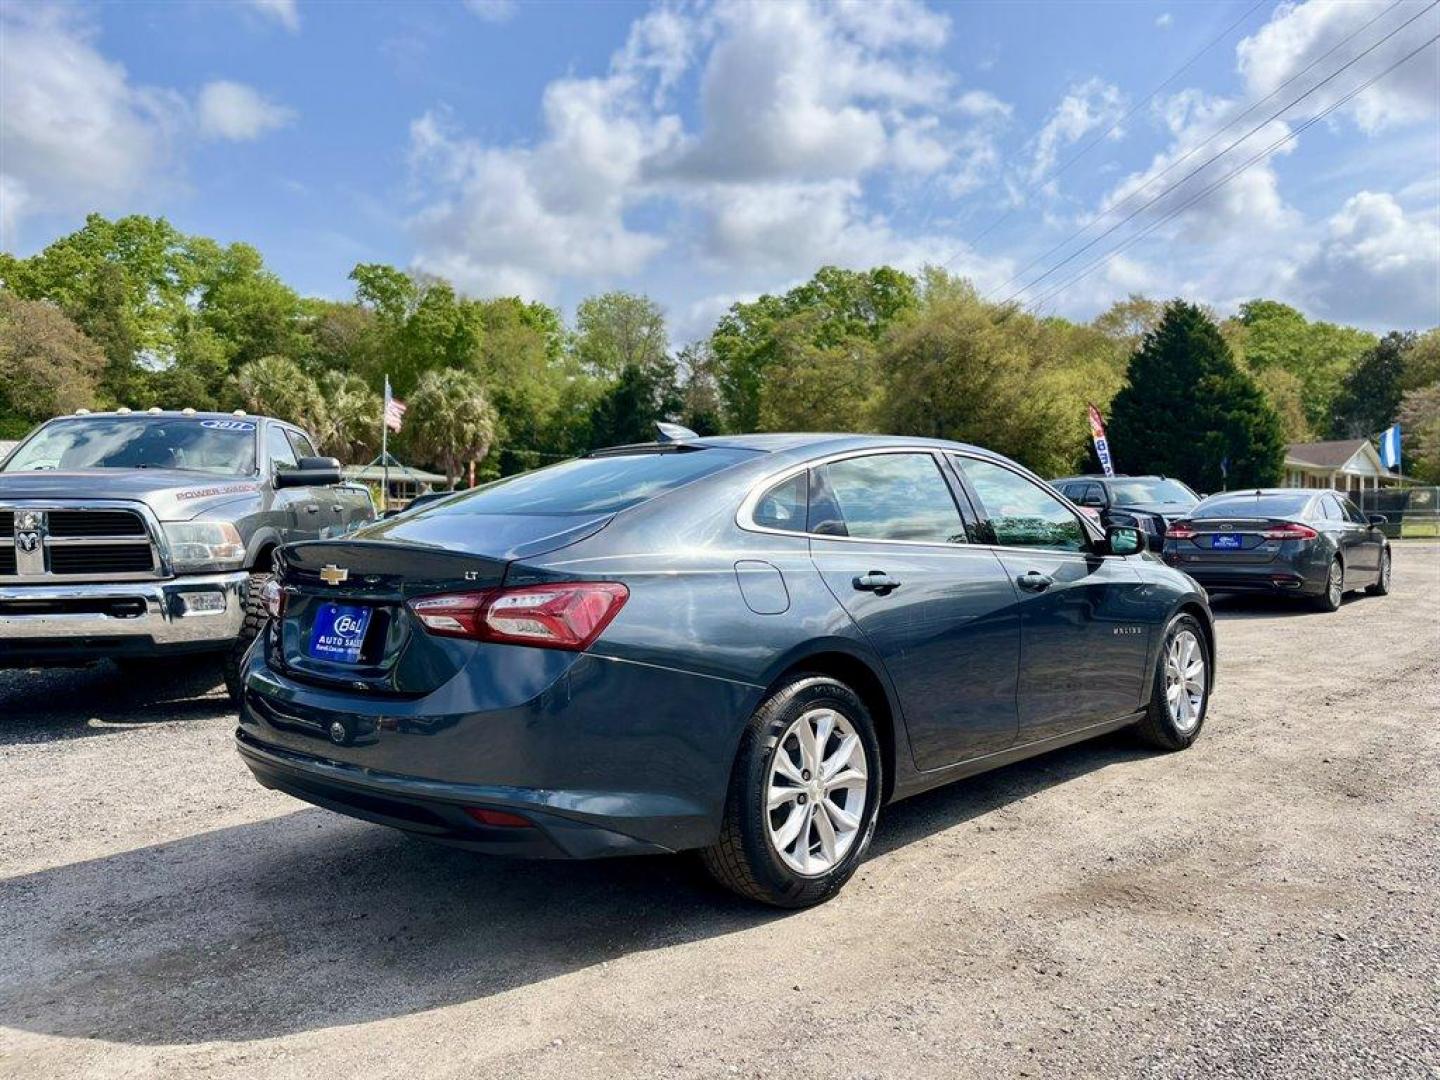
(333, 575)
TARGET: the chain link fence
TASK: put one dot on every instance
(1413, 511)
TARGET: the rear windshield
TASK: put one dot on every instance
(593, 485)
(1256, 506)
(1151, 491)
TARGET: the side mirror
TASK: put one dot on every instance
(1379, 519)
(313, 472)
(1123, 540)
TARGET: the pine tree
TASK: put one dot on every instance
(1190, 412)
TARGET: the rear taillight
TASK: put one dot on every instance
(568, 615)
(1181, 530)
(1290, 532)
(272, 595)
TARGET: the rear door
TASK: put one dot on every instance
(888, 538)
(1083, 617)
(1370, 541)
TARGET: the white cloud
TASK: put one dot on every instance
(1087, 107)
(1298, 34)
(234, 111)
(800, 104)
(75, 133)
(1164, 20)
(283, 12)
(1378, 263)
(495, 11)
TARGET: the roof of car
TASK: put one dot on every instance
(193, 414)
(1261, 492)
(779, 442)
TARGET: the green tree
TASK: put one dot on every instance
(351, 428)
(1128, 321)
(526, 373)
(1369, 398)
(47, 364)
(627, 410)
(1420, 432)
(810, 387)
(846, 304)
(619, 330)
(700, 407)
(451, 420)
(1318, 354)
(276, 386)
(1188, 410)
(424, 325)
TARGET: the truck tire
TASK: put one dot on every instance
(255, 616)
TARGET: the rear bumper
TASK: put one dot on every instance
(1277, 577)
(604, 758)
(437, 810)
(74, 623)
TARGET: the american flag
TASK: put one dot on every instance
(394, 409)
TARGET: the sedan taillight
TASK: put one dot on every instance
(1290, 531)
(568, 615)
(1180, 530)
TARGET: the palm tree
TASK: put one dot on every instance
(451, 419)
(352, 428)
(276, 386)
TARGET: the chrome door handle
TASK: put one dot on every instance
(312, 508)
(1035, 581)
(337, 508)
(876, 581)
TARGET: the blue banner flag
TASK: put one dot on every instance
(1390, 448)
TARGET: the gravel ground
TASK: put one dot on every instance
(1266, 904)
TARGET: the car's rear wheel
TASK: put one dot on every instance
(803, 796)
(1382, 582)
(1334, 591)
(1181, 693)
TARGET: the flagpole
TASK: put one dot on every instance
(385, 449)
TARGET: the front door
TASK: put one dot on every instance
(888, 539)
(299, 507)
(1085, 623)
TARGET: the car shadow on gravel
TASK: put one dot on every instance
(72, 703)
(310, 920)
(1263, 606)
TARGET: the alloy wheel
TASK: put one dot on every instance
(1184, 681)
(1334, 584)
(815, 798)
(1385, 570)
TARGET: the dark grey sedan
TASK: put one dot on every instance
(1291, 541)
(743, 645)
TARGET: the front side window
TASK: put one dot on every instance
(1353, 513)
(301, 444)
(1160, 490)
(282, 455)
(224, 446)
(885, 497)
(1020, 512)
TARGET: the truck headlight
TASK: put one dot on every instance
(204, 545)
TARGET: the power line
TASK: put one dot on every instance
(1191, 152)
(1052, 293)
(1216, 157)
(1035, 184)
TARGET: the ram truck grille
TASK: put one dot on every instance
(46, 543)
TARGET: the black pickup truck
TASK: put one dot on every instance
(136, 536)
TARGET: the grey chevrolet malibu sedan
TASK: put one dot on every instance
(743, 645)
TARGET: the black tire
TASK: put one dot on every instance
(744, 859)
(1330, 596)
(255, 616)
(1382, 583)
(1159, 728)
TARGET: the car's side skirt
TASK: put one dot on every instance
(926, 781)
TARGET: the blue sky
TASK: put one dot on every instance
(707, 152)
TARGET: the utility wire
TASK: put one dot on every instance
(1189, 153)
(1217, 156)
(1052, 293)
(1035, 184)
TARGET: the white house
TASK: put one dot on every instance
(1349, 465)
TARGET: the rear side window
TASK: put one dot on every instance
(783, 506)
(1331, 509)
(1256, 506)
(885, 497)
(594, 485)
(1020, 512)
